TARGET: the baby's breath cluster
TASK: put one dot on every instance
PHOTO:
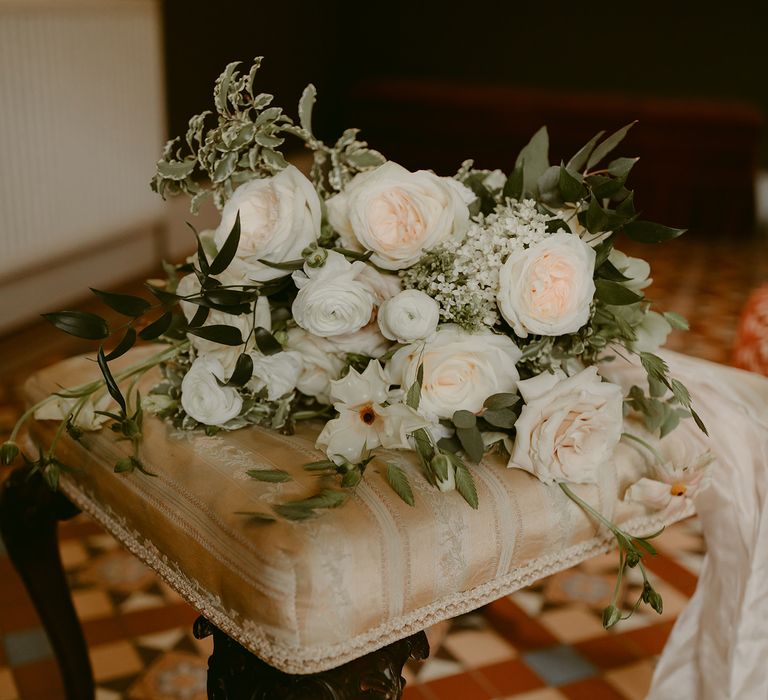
(463, 276)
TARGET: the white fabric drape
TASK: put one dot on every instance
(718, 649)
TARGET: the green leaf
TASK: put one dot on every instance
(364, 158)
(327, 498)
(202, 260)
(219, 333)
(648, 232)
(398, 480)
(464, 419)
(465, 484)
(272, 476)
(109, 380)
(699, 422)
(502, 418)
(609, 271)
(513, 187)
(656, 388)
(413, 398)
(82, 324)
(227, 253)
(614, 293)
(177, 169)
(167, 298)
(123, 346)
(676, 320)
(243, 371)
(534, 159)
(124, 466)
(287, 265)
(294, 511)
(125, 304)
(352, 478)
(274, 159)
(256, 517)
(266, 342)
(306, 103)
(321, 465)
(496, 402)
(471, 440)
(671, 421)
(681, 393)
(608, 145)
(578, 161)
(571, 188)
(621, 166)
(157, 327)
(603, 187)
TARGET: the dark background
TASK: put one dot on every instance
(433, 83)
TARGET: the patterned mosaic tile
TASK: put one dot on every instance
(542, 643)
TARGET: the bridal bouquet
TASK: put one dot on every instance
(449, 316)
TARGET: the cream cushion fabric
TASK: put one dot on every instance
(308, 596)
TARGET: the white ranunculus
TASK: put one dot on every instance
(321, 363)
(411, 315)
(367, 341)
(651, 333)
(568, 427)
(399, 214)
(334, 299)
(279, 373)
(226, 354)
(461, 369)
(547, 289)
(636, 269)
(279, 217)
(203, 398)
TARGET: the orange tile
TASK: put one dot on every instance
(632, 681)
(39, 680)
(475, 648)
(509, 620)
(509, 677)
(461, 686)
(92, 604)
(7, 686)
(607, 651)
(104, 630)
(590, 689)
(572, 623)
(672, 572)
(650, 640)
(115, 660)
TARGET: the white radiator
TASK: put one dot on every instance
(82, 123)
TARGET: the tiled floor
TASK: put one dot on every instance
(542, 643)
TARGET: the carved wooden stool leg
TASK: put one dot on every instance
(236, 674)
(29, 515)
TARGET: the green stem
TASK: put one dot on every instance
(648, 447)
(588, 508)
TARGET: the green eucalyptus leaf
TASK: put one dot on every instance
(579, 160)
(218, 333)
(472, 442)
(125, 344)
(464, 419)
(571, 187)
(497, 402)
(604, 148)
(648, 232)
(621, 167)
(534, 159)
(513, 187)
(501, 418)
(82, 324)
(125, 304)
(157, 327)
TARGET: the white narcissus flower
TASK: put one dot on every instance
(411, 315)
(279, 373)
(547, 289)
(320, 363)
(364, 422)
(398, 214)
(203, 398)
(334, 299)
(461, 369)
(279, 217)
(568, 427)
(671, 488)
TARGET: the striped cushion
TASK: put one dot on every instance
(307, 596)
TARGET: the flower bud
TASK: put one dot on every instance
(442, 468)
(314, 256)
(633, 559)
(8, 452)
(611, 615)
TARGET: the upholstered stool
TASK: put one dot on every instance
(329, 607)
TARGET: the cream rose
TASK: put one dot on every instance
(203, 398)
(568, 427)
(399, 214)
(547, 289)
(320, 363)
(461, 369)
(278, 373)
(333, 299)
(279, 217)
(409, 316)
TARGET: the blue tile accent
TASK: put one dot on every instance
(559, 665)
(27, 646)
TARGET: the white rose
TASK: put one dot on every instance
(411, 315)
(547, 289)
(333, 299)
(203, 398)
(399, 214)
(637, 269)
(279, 217)
(568, 427)
(279, 373)
(461, 369)
(320, 364)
